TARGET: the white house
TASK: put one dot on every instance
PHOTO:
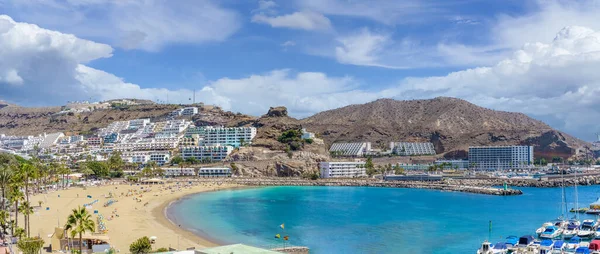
(344, 169)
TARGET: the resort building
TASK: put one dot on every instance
(175, 126)
(189, 111)
(358, 149)
(500, 157)
(148, 144)
(111, 138)
(344, 169)
(143, 157)
(94, 141)
(226, 136)
(214, 172)
(114, 127)
(453, 164)
(206, 153)
(409, 149)
(190, 140)
(178, 171)
(138, 123)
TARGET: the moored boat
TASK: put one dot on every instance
(571, 231)
(486, 248)
(541, 229)
(573, 244)
(551, 232)
(588, 229)
(595, 245)
(546, 246)
(594, 207)
(559, 246)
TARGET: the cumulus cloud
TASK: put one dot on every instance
(140, 24)
(304, 20)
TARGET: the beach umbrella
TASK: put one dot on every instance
(153, 238)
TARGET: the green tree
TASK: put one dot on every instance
(115, 162)
(16, 196)
(79, 222)
(4, 221)
(5, 178)
(26, 209)
(141, 246)
(100, 168)
(176, 160)
(147, 171)
(192, 160)
(30, 245)
(369, 166)
(398, 170)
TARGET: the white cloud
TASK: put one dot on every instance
(384, 11)
(305, 20)
(142, 24)
(557, 82)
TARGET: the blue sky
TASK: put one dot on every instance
(535, 57)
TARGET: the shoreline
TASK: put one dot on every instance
(204, 238)
(128, 217)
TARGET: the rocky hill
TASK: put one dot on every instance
(451, 124)
(15, 120)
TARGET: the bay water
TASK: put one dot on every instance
(370, 220)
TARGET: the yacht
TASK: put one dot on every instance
(588, 229)
(572, 230)
(486, 248)
(541, 229)
(551, 232)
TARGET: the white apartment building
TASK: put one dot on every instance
(148, 144)
(51, 139)
(226, 136)
(343, 169)
(143, 157)
(114, 127)
(189, 111)
(94, 141)
(212, 153)
(500, 157)
(408, 149)
(175, 126)
(178, 171)
(357, 149)
(214, 172)
(138, 123)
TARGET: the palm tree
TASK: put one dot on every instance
(79, 222)
(5, 177)
(15, 197)
(26, 210)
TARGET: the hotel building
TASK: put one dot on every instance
(358, 149)
(211, 153)
(342, 169)
(226, 136)
(214, 172)
(500, 157)
(408, 149)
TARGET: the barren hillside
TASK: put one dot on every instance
(451, 124)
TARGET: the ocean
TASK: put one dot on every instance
(370, 220)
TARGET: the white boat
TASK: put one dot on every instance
(588, 229)
(486, 248)
(543, 227)
(551, 232)
(571, 231)
(573, 244)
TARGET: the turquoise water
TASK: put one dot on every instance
(370, 220)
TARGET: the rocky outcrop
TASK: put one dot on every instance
(277, 112)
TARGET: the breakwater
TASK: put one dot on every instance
(539, 183)
(443, 186)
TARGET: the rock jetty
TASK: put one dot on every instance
(443, 186)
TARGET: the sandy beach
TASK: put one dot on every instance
(127, 219)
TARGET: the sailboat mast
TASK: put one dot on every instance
(576, 197)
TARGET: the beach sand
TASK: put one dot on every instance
(135, 219)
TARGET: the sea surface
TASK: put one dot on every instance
(370, 220)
